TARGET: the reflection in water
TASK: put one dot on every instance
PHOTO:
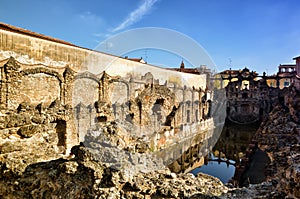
(234, 140)
(190, 152)
(217, 146)
(230, 148)
(223, 169)
(194, 151)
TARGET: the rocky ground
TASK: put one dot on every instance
(279, 137)
(33, 168)
(81, 176)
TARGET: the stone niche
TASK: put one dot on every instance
(85, 95)
(37, 88)
(85, 91)
(35, 102)
(29, 84)
(120, 92)
(154, 107)
(36, 117)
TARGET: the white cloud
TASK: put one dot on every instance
(102, 35)
(90, 18)
(136, 15)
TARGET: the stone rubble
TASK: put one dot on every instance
(27, 172)
(82, 176)
(279, 137)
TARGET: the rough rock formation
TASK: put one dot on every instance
(29, 135)
(26, 171)
(279, 137)
(157, 99)
(82, 176)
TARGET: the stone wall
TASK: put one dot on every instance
(279, 136)
(140, 105)
(56, 55)
(73, 90)
(249, 98)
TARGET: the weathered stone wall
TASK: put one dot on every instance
(279, 136)
(37, 88)
(249, 99)
(32, 50)
(54, 95)
(89, 88)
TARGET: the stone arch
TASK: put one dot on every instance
(154, 101)
(87, 75)
(148, 78)
(82, 92)
(85, 97)
(119, 91)
(35, 86)
(43, 70)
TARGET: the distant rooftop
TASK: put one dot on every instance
(236, 72)
(287, 66)
(141, 60)
(185, 70)
(296, 58)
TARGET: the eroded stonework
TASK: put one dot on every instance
(249, 96)
(51, 99)
(68, 104)
(36, 123)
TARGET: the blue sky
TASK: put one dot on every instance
(259, 34)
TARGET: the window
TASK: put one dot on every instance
(244, 95)
(188, 116)
(286, 84)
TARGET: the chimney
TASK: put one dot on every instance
(297, 65)
(182, 65)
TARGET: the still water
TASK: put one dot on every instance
(219, 169)
(228, 150)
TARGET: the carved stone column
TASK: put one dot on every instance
(104, 106)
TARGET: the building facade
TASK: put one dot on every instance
(249, 97)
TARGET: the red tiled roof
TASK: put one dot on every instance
(186, 70)
(235, 73)
(134, 59)
(141, 60)
(232, 72)
(22, 31)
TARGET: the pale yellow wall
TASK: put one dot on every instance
(30, 50)
(226, 82)
(273, 82)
